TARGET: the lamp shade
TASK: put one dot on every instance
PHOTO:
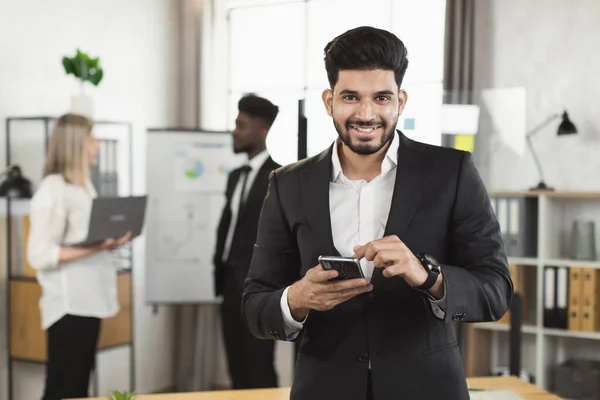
(566, 127)
(15, 185)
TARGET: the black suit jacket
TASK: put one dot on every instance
(440, 206)
(242, 245)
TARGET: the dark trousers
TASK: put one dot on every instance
(72, 342)
(250, 360)
(369, 387)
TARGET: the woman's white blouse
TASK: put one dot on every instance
(59, 215)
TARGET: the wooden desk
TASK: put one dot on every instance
(522, 388)
(516, 385)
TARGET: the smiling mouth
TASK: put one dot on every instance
(365, 129)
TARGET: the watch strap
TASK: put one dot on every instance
(432, 273)
(429, 282)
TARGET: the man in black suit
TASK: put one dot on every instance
(250, 360)
(395, 204)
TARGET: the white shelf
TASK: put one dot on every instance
(532, 329)
(543, 347)
(523, 261)
(495, 326)
(572, 263)
(571, 334)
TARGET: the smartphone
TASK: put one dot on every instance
(347, 267)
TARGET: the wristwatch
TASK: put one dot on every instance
(432, 266)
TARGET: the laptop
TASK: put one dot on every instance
(112, 217)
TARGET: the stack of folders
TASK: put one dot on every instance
(518, 219)
(572, 298)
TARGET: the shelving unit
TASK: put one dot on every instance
(26, 145)
(543, 347)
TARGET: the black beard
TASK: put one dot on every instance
(365, 148)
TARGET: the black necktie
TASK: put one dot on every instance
(245, 172)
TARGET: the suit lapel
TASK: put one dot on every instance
(410, 180)
(256, 188)
(235, 176)
(315, 200)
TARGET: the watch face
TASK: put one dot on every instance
(431, 259)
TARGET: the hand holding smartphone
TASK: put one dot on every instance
(317, 290)
(347, 267)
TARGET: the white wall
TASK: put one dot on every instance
(137, 42)
(549, 47)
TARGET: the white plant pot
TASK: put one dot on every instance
(83, 105)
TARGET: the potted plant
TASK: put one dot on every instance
(85, 69)
(117, 395)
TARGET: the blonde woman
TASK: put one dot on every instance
(78, 284)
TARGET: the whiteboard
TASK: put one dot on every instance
(186, 177)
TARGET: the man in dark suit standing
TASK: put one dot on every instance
(250, 360)
(418, 218)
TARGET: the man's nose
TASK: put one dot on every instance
(365, 111)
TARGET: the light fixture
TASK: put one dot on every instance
(566, 127)
(15, 185)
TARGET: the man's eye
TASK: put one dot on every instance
(383, 98)
(349, 97)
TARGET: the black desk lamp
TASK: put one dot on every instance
(566, 127)
(15, 185)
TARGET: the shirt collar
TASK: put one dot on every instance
(258, 160)
(389, 161)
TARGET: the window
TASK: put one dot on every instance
(275, 49)
(267, 47)
(328, 19)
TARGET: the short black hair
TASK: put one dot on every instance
(259, 107)
(365, 48)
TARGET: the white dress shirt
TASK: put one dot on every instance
(255, 164)
(59, 214)
(359, 212)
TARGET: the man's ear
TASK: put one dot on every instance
(402, 99)
(264, 130)
(328, 101)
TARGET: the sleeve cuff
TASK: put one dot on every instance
(438, 306)
(55, 256)
(290, 325)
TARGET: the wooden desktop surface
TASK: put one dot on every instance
(526, 390)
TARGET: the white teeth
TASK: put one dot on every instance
(365, 130)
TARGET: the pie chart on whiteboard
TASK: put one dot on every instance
(201, 169)
(193, 168)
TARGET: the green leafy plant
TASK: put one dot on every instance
(117, 395)
(84, 68)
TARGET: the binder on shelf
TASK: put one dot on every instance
(575, 298)
(590, 308)
(550, 297)
(562, 298)
(556, 297)
(518, 219)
